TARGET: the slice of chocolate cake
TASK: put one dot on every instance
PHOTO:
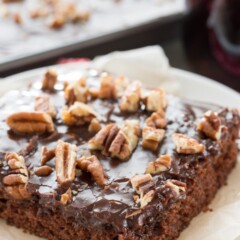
(105, 158)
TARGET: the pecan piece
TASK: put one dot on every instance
(210, 125)
(147, 198)
(186, 144)
(43, 171)
(66, 197)
(155, 100)
(126, 140)
(16, 182)
(157, 120)
(139, 180)
(66, 155)
(152, 138)
(76, 91)
(130, 100)
(107, 87)
(161, 164)
(49, 80)
(92, 164)
(121, 84)
(78, 114)
(47, 154)
(104, 137)
(176, 186)
(45, 104)
(30, 122)
(94, 126)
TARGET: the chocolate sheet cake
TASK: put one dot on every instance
(106, 158)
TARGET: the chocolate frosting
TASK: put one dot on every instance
(93, 206)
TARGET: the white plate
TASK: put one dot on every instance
(225, 218)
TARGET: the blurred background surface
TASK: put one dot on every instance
(201, 36)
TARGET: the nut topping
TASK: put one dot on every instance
(161, 164)
(147, 198)
(126, 140)
(130, 100)
(121, 84)
(78, 114)
(107, 87)
(94, 126)
(76, 91)
(49, 80)
(66, 197)
(157, 120)
(44, 104)
(176, 186)
(91, 164)
(155, 100)
(152, 137)
(43, 171)
(47, 154)
(66, 155)
(17, 180)
(139, 180)
(187, 145)
(210, 125)
(30, 122)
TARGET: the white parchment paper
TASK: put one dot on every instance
(223, 223)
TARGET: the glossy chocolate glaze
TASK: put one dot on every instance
(95, 207)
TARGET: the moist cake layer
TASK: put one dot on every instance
(112, 211)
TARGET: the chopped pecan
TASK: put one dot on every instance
(30, 122)
(155, 100)
(57, 21)
(45, 104)
(152, 137)
(107, 87)
(47, 154)
(17, 180)
(17, 17)
(66, 155)
(187, 145)
(210, 125)
(94, 126)
(66, 197)
(161, 164)
(121, 84)
(92, 164)
(49, 80)
(38, 13)
(130, 100)
(138, 180)
(157, 120)
(126, 140)
(147, 198)
(43, 171)
(80, 16)
(78, 114)
(176, 186)
(104, 137)
(93, 92)
(76, 91)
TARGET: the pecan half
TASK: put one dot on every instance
(30, 122)
(155, 100)
(49, 80)
(94, 126)
(78, 114)
(176, 186)
(66, 155)
(47, 154)
(186, 144)
(130, 100)
(161, 164)
(210, 125)
(107, 87)
(92, 165)
(66, 197)
(76, 91)
(17, 192)
(157, 120)
(126, 140)
(45, 104)
(152, 138)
